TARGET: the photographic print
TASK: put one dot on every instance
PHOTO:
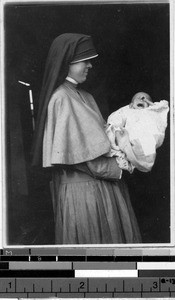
(88, 123)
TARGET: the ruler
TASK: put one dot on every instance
(87, 287)
(23, 274)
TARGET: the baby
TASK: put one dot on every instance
(136, 131)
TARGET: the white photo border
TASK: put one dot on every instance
(3, 190)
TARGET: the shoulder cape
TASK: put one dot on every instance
(74, 130)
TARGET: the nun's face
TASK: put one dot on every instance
(79, 71)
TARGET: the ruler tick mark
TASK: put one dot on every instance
(87, 284)
(123, 285)
(51, 285)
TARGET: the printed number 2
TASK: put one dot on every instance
(82, 285)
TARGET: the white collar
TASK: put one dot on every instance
(71, 80)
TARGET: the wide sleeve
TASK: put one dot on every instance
(102, 167)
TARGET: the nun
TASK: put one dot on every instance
(91, 202)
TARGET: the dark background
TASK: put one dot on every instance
(133, 45)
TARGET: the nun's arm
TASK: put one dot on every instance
(101, 168)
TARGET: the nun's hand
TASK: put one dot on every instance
(122, 133)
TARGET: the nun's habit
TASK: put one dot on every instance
(91, 203)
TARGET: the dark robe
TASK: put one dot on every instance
(91, 203)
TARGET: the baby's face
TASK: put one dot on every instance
(141, 100)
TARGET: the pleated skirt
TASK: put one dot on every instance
(92, 211)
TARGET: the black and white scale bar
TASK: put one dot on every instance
(87, 258)
(156, 273)
(4, 265)
(37, 273)
(100, 258)
(14, 258)
(156, 258)
(71, 258)
(42, 258)
(128, 258)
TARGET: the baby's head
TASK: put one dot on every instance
(141, 100)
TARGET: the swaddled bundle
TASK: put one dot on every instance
(145, 123)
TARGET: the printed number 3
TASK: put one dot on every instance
(155, 284)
